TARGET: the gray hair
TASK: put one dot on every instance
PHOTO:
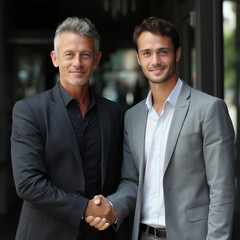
(82, 26)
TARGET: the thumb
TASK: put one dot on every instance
(97, 200)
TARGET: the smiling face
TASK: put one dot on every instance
(76, 59)
(157, 57)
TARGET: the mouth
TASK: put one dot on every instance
(156, 70)
(77, 72)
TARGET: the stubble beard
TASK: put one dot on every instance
(159, 81)
(78, 83)
(164, 79)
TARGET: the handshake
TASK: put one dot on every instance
(100, 213)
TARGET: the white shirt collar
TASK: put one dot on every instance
(172, 98)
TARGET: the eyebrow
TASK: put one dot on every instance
(148, 49)
(83, 51)
(67, 51)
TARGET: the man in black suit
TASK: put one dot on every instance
(67, 145)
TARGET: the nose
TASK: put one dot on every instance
(77, 61)
(156, 58)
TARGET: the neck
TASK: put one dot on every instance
(81, 93)
(160, 93)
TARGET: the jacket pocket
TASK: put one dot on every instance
(198, 213)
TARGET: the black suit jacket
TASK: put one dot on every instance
(47, 165)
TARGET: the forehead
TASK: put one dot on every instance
(75, 40)
(148, 40)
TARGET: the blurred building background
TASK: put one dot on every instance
(210, 39)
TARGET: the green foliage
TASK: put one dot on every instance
(231, 58)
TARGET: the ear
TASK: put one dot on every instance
(138, 59)
(178, 54)
(54, 59)
(97, 59)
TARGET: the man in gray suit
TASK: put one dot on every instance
(67, 145)
(178, 151)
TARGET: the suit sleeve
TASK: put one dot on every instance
(125, 197)
(30, 171)
(218, 138)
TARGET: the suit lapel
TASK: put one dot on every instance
(138, 134)
(178, 118)
(104, 121)
(64, 125)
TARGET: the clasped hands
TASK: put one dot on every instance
(100, 213)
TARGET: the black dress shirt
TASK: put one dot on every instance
(88, 134)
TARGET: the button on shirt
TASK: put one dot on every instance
(157, 129)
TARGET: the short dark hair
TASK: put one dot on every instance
(157, 26)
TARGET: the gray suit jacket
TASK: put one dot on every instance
(48, 169)
(198, 169)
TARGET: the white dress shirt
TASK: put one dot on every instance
(153, 210)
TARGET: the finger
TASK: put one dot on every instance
(101, 223)
(89, 219)
(97, 200)
(105, 226)
(95, 222)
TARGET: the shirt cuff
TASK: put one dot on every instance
(115, 222)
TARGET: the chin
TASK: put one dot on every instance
(78, 83)
(157, 81)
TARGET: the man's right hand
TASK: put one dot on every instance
(100, 213)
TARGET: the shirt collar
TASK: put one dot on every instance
(172, 98)
(67, 98)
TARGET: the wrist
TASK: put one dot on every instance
(114, 212)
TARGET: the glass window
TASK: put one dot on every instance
(28, 74)
(230, 58)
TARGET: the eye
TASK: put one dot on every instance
(85, 55)
(68, 54)
(146, 54)
(163, 52)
